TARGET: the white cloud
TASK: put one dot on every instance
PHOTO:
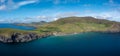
(26, 2)
(34, 19)
(87, 5)
(1, 20)
(113, 14)
(10, 4)
(2, 1)
(43, 16)
(2, 7)
(110, 15)
(67, 14)
(65, 1)
(56, 1)
(111, 3)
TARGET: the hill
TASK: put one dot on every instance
(63, 26)
(70, 25)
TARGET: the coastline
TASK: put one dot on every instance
(61, 27)
(20, 38)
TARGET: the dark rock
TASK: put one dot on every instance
(19, 37)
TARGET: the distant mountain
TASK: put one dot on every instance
(41, 22)
(34, 24)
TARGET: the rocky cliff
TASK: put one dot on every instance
(19, 37)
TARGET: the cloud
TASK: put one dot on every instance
(48, 18)
(56, 1)
(87, 5)
(111, 3)
(34, 19)
(2, 1)
(26, 2)
(2, 7)
(110, 15)
(41, 16)
(10, 4)
(1, 20)
(65, 1)
(67, 14)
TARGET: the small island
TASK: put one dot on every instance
(62, 26)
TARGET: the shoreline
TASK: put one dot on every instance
(21, 38)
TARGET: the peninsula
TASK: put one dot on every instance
(62, 26)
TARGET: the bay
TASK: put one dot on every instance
(83, 44)
(13, 26)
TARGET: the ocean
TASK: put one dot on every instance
(8, 25)
(83, 44)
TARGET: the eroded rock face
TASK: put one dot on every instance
(4, 39)
(19, 37)
(114, 28)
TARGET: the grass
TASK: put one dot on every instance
(69, 25)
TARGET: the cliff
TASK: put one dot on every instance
(20, 37)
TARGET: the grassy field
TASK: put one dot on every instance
(70, 25)
(79, 24)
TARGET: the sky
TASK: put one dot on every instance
(26, 11)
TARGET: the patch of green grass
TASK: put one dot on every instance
(70, 25)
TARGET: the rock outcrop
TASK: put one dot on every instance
(19, 37)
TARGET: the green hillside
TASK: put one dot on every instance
(71, 25)
(80, 24)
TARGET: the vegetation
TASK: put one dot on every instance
(80, 24)
(71, 25)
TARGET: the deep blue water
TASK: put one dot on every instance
(7, 25)
(84, 44)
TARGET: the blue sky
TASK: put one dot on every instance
(49, 10)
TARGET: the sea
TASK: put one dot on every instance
(15, 26)
(82, 44)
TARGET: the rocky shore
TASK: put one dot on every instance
(19, 37)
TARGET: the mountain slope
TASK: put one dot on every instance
(81, 24)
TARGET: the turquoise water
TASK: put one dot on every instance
(7, 25)
(84, 44)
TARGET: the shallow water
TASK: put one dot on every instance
(7, 25)
(84, 44)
